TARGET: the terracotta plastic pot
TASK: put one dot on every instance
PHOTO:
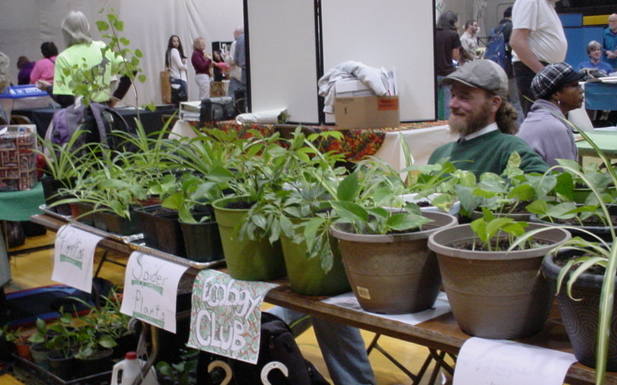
(305, 274)
(580, 318)
(393, 273)
(79, 210)
(495, 294)
(256, 260)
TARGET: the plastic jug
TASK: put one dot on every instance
(130, 368)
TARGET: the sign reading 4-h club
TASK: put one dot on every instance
(151, 289)
(73, 257)
(225, 315)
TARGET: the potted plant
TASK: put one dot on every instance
(39, 350)
(190, 197)
(384, 251)
(507, 194)
(587, 268)
(495, 290)
(299, 215)
(62, 346)
(16, 338)
(255, 168)
(63, 164)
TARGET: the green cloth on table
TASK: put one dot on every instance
(21, 205)
(605, 140)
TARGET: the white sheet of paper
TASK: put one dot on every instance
(502, 362)
(73, 257)
(349, 301)
(151, 289)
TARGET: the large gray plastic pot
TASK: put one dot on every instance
(495, 294)
(393, 273)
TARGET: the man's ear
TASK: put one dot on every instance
(496, 102)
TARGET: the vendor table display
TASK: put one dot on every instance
(440, 333)
(357, 144)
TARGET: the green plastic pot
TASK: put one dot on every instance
(246, 260)
(306, 275)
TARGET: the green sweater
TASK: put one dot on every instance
(489, 153)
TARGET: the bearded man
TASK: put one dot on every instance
(484, 121)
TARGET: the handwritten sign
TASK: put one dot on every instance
(225, 315)
(501, 362)
(150, 290)
(73, 257)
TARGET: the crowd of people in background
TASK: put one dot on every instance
(533, 38)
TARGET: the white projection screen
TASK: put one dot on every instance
(283, 59)
(395, 34)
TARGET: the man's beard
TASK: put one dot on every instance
(472, 123)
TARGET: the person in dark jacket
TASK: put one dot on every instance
(447, 50)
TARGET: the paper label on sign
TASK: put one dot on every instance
(501, 362)
(151, 289)
(225, 315)
(73, 257)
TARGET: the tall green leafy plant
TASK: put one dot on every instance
(598, 253)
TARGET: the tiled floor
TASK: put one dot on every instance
(33, 270)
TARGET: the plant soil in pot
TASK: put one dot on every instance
(306, 275)
(202, 241)
(392, 273)
(161, 229)
(580, 318)
(256, 260)
(495, 294)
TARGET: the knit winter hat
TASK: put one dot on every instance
(552, 78)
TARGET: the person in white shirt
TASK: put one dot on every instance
(537, 40)
(469, 41)
(175, 62)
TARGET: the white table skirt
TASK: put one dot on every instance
(421, 142)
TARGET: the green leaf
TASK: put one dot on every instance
(406, 221)
(102, 25)
(350, 211)
(523, 192)
(348, 188)
(107, 341)
(141, 78)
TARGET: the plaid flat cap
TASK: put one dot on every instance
(552, 78)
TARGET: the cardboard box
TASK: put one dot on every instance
(367, 112)
(18, 158)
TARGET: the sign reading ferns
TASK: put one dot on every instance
(225, 315)
(150, 290)
(73, 257)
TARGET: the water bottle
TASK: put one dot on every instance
(129, 368)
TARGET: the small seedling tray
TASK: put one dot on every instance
(32, 374)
